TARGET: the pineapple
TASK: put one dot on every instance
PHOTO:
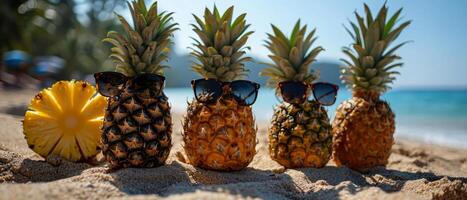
(222, 135)
(65, 120)
(137, 127)
(364, 125)
(300, 135)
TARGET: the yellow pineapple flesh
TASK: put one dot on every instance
(65, 120)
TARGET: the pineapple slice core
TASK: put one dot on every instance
(71, 122)
(65, 120)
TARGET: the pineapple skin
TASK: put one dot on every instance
(137, 130)
(300, 135)
(364, 125)
(363, 133)
(220, 136)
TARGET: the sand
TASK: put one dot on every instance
(415, 171)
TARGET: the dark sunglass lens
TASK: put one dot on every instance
(109, 83)
(148, 81)
(244, 92)
(207, 91)
(325, 93)
(293, 92)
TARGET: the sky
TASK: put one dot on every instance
(435, 57)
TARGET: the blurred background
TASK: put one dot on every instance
(42, 41)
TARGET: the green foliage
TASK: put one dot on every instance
(291, 56)
(14, 27)
(220, 48)
(46, 27)
(370, 66)
(146, 44)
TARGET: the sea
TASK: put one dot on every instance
(432, 116)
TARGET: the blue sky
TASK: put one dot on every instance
(435, 58)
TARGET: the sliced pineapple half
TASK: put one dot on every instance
(65, 120)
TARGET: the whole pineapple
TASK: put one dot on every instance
(300, 134)
(137, 127)
(222, 135)
(364, 125)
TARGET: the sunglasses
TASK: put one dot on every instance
(111, 84)
(210, 90)
(295, 92)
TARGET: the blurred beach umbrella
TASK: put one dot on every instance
(16, 60)
(48, 65)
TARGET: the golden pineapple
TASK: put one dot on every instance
(364, 125)
(222, 135)
(300, 134)
(137, 127)
(65, 120)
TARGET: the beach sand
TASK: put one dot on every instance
(415, 171)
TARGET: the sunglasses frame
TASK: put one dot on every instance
(310, 86)
(223, 84)
(125, 80)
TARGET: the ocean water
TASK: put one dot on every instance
(430, 116)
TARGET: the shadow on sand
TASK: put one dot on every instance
(178, 178)
(40, 171)
(388, 180)
(16, 110)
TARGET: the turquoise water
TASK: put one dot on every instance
(431, 116)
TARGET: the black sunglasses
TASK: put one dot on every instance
(111, 84)
(210, 90)
(295, 92)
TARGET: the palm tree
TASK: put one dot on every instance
(45, 27)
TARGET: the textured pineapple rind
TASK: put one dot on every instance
(221, 136)
(300, 135)
(363, 133)
(137, 131)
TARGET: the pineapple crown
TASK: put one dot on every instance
(291, 56)
(372, 61)
(220, 49)
(146, 44)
